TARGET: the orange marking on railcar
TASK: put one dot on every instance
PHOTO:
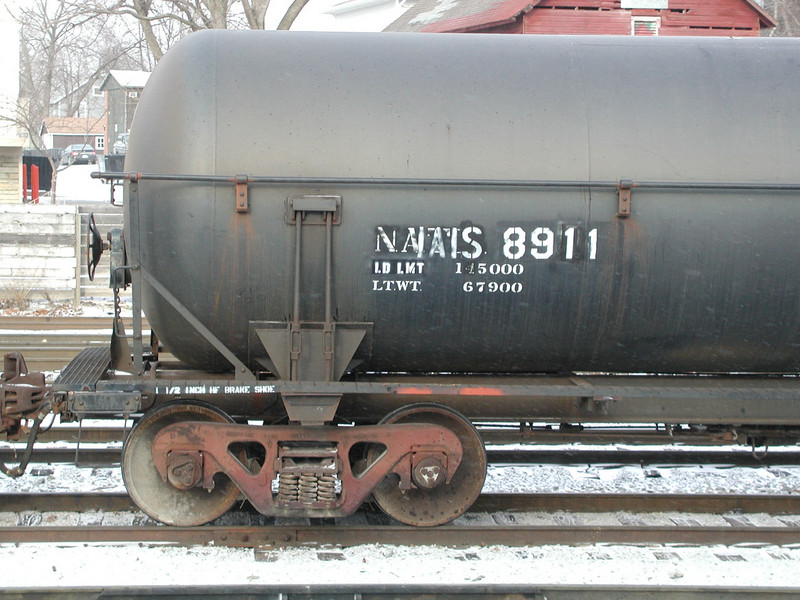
(481, 391)
(415, 390)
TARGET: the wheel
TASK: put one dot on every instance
(429, 507)
(158, 498)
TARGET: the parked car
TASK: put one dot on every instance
(121, 145)
(78, 154)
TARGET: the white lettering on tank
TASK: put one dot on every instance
(437, 242)
(415, 241)
(468, 235)
(390, 243)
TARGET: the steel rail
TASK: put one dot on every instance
(407, 592)
(51, 342)
(486, 503)
(538, 440)
(56, 322)
(528, 456)
(86, 435)
(449, 535)
(83, 456)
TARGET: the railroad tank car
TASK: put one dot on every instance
(427, 144)
(414, 234)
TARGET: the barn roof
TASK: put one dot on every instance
(452, 15)
(465, 15)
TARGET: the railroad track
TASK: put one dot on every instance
(492, 434)
(405, 592)
(486, 503)
(282, 536)
(49, 342)
(93, 455)
(496, 519)
(607, 533)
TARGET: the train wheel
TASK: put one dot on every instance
(429, 507)
(158, 498)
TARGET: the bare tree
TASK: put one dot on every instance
(163, 22)
(786, 14)
(64, 50)
(255, 12)
(292, 13)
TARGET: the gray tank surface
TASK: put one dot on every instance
(479, 224)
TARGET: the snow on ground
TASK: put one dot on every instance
(89, 307)
(532, 565)
(104, 565)
(113, 565)
(74, 185)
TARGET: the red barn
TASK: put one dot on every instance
(589, 17)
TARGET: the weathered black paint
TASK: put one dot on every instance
(694, 280)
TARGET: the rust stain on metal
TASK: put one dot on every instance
(624, 209)
(242, 205)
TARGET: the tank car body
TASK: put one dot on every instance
(447, 238)
(329, 228)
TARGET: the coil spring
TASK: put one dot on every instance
(306, 488)
(326, 488)
(287, 487)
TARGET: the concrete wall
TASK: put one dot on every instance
(43, 250)
(39, 252)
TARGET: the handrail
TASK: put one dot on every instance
(422, 182)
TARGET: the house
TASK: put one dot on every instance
(60, 132)
(123, 89)
(91, 104)
(590, 17)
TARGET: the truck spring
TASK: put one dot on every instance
(307, 488)
(326, 491)
(287, 487)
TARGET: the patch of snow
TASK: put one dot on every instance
(424, 566)
(442, 7)
(114, 565)
(89, 307)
